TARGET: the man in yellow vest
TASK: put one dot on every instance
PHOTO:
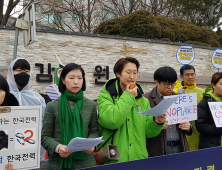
(189, 86)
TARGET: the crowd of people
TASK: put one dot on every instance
(115, 116)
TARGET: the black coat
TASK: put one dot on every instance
(210, 135)
(12, 101)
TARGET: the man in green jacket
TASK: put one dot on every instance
(119, 108)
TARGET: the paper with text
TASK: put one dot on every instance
(80, 144)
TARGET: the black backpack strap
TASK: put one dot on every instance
(111, 136)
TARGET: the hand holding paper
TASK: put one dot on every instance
(160, 119)
(63, 152)
(89, 151)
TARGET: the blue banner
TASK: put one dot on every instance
(206, 159)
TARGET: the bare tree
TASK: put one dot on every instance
(124, 7)
(69, 15)
(86, 15)
(158, 7)
(118, 8)
(11, 9)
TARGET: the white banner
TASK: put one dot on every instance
(20, 136)
(183, 109)
(216, 111)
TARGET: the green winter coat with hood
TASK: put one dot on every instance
(120, 111)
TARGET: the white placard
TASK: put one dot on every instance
(21, 129)
(216, 111)
(185, 54)
(216, 58)
(183, 109)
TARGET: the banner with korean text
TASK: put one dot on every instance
(216, 111)
(205, 159)
(183, 109)
(20, 135)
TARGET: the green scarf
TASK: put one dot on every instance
(210, 93)
(71, 125)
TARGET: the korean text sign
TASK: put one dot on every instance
(183, 109)
(216, 58)
(20, 135)
(216, 111)
(185, 54)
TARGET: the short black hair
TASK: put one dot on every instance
(4, 86)
(165, 74)
(187, 67)
(22, 63)
(118, 68)
(66, 70)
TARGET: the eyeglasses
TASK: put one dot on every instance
(191, 74)
(167, 85)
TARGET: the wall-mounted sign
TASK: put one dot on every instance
(99, 70)
(43, 77)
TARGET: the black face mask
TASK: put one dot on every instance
(22, 79)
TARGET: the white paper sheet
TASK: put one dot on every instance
(80, 144)
(161, 108)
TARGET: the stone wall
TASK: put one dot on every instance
(97, 50)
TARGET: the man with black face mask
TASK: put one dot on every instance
(19, 84)
(18, 78)
(21, 73)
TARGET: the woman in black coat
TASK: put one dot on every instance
(210, 135)
(6, 98)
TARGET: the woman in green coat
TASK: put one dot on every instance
(71, 115)
(119, 108)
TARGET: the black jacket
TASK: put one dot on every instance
(210, 135)
(12, 101)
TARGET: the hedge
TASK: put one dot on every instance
(142, 24)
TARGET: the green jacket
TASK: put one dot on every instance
(50, 137)
(121, 111)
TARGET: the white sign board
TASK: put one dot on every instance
(20, 136)
(216, 111)
(185, 54)
(216, 58)
(183, 109)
